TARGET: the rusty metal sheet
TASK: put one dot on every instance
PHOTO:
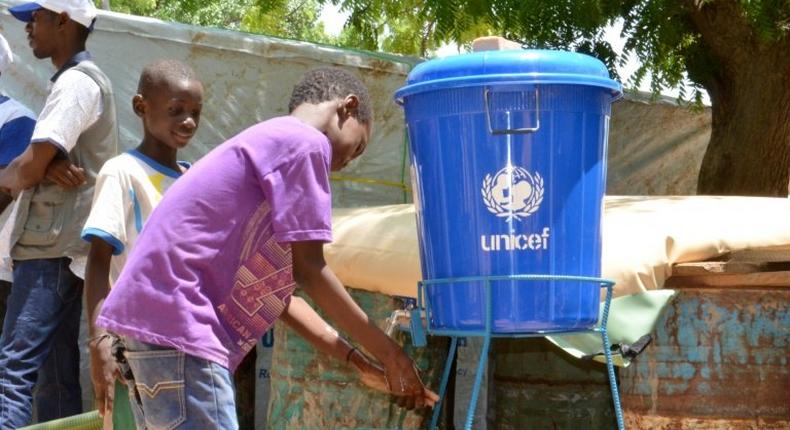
(538, 386)
(719, 361)
(312, 391)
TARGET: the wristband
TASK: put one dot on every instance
(97, 339)
(350, 351)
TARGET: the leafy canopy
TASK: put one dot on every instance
(659, 33)
(297, 19)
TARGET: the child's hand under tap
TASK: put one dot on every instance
(408, 395)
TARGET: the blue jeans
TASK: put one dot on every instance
(40, 332)
(169, 389)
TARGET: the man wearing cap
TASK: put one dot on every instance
(77, 127)
(16, 127)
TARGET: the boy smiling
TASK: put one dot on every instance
(129, 186)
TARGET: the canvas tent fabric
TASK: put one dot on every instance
(376, 248)
(655, 146)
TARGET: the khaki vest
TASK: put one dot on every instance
(49, 219)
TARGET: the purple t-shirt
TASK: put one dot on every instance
(212, 270)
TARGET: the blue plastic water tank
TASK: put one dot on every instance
(508, 161)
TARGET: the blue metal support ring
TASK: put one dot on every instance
(486, 334)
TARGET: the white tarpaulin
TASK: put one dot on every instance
(376, 249)
(655, 148)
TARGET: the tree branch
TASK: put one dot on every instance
(724, 29)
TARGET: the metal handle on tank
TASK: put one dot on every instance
(524, 130)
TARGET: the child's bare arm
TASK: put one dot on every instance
(318, 280)
(305, 320)
(29, 168)
(104, 370)
(97, 281)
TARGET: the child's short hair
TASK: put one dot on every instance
(163, 71)
(328, 83)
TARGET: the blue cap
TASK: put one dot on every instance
(24, 12)
(521, 66)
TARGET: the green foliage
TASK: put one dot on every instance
(214, 13)
(404, 27)
(296, 19)
(659, 33)
(770, 18)
(136, 7)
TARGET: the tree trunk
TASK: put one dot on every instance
(749, 150)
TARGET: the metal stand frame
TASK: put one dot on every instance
(487, 334)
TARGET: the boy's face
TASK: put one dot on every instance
(171, 111)
(349, 136)
(42, 32)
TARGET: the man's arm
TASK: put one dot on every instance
(73, 105)
(317, 279)
(65, 174)
(29, 169)
(15, 136)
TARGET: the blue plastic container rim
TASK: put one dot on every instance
(514, 67)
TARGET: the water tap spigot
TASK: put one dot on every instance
(410, 320)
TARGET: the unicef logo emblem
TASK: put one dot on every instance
(513, 193)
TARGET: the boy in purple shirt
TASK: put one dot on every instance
(220, 257)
